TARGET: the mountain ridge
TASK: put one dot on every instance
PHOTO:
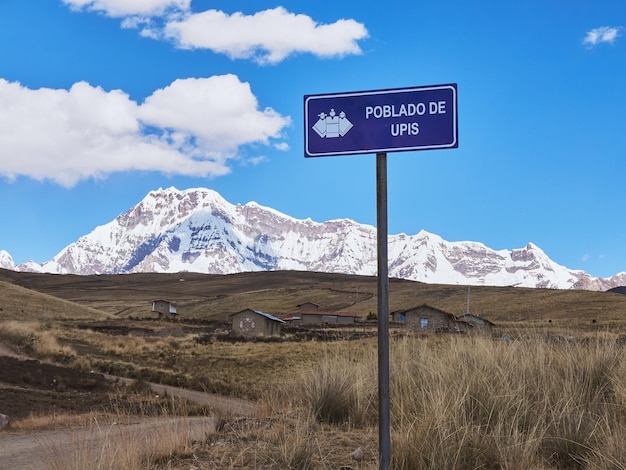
(197, 230)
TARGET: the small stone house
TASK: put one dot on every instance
(163, 309)
(462, 326)
(328, 318)
(253, 323)
(293, 319)
(480, 324)
(308, 307)
(427, 318)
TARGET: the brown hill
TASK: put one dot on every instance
(618, 290)
(202, 296)
(19, 303)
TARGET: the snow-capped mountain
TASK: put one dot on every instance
(6, 261)
(197, 230)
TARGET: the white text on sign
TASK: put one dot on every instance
(405, 110)
(410, 109)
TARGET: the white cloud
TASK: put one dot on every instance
(588, 257)
(87, 132)
(268, 36)
(148, 28)
(602, 34)
(121, 8)
(220, 112)
(133, 22)
(257, 160)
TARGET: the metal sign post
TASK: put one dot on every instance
(381, 121)
(384, 439)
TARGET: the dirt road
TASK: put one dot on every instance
(45, 449)
(48, 449)
(6, 351)
(233, 406)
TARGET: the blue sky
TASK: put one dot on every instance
(102, 101)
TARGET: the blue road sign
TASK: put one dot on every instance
(395, 120)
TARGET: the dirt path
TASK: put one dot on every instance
(7, 351)
(50, 449)
(234, 406)
(45, 449)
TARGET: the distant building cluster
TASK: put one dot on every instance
(427, 318)
(251, 323)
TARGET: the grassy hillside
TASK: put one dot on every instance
(19, 303)
(201, 296)
(551, 398)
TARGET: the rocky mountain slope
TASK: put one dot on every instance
(197, 230)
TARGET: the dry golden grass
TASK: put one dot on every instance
(117, 447)
(36, 338)
(473, 402)
(540, 401)
(456, 402)
(554, 396)
(19, 303)
(54, 420)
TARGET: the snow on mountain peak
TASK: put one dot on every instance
(6, 260)
(173, 230)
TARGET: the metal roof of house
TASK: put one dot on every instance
(424, 306)
(470, 316)
(258, 312)
(335, 314)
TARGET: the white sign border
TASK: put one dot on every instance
(451, 145)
